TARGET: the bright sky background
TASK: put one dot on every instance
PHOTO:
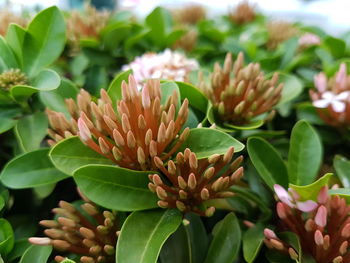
(333, 15)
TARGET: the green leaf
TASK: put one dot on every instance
(115, 33)
(310, 192)
(307, 112)
(195, 97)
(305, 154)
(31, 169)
(31, 130)
(205, 142)
(71, 154)
(159, 20)
(115, 88)
(18, 250)
(129, 188)
(336, 46)
(226, 242)
(253, 240)
(167, 89)
(55, 99)
(342, 192)
(67, 260)
(44, 81)
(292, 88)
(7, 239)
(6, 124)
(154, 227)
(7, 59)
(37, 254)
(44, 40)
(293, 240)
(342, 167)
(267, 162)
(15, 37)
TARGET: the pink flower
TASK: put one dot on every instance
(309, 39)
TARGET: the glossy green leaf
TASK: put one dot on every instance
(31, 130)
(205, 142)
(195, 96)
(44, 40)
(292, 87)
(55, 99)
(7, 59)
(310, 192)
(37, 254)
(153, 228)
(253, 240)
(129, 188)
(225, 245)
(342, 167)
(31, 169)
(15, 37)
(7, 239)
(44, 191)
(115, 88)
(267, 162)
(70, 154)
(305, 154)
(44, 81)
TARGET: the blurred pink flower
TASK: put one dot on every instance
(309, 39)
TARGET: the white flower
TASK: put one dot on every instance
(336, 101)
(165, 65)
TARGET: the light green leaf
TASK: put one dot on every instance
(15, 37)
(44, 40)
(7, 239)
(305, 154)
(37, 254)
(195, 97)
(336, 46)
(159, 20)
(342, 167)
(292, 87)
(70, 154)
(153, 228)
(253, 240)
(342, 192)
(267, 162)
(6, 124)
(310, 192)
(226, 242)
(31, 130)
(205, 142)
(129, 188)
(31, 169)
(168, 88)
(115, 88)
(7, 59)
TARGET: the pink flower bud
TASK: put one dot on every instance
(269, 234)
(321, 216)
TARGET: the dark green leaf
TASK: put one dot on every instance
(153, 228)
(31, 169)
(267, 162)
(7, 239)
(129, 188)
(226, 242)
(253, 239)
(71, 153)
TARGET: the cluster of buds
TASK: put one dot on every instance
(323, 227)
(279, 32)
(243, 13)
(332, 98)
(6, 18)
(170, 65)
(188, 182)
(86, 25)
(12, 77)
(189, 15)
(132, 135)
(248, 94)
(188, 41)
(309, 40)
(93, 238)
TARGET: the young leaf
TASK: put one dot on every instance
(31, 130)
(267, 162)
(204, 142)
(153, 228)
(44, 40)
(71, 153)
(252, 241)
(226, 242)
(342, 167)
(7, 239)
(305, 154)
(37, 254)
(128, 188)
(31, 169)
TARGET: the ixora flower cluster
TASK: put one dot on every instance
(322, 226)
(169, 65)
(332, 98)
(83, 230)
(237, 100)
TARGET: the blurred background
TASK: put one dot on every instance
(331, 15)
